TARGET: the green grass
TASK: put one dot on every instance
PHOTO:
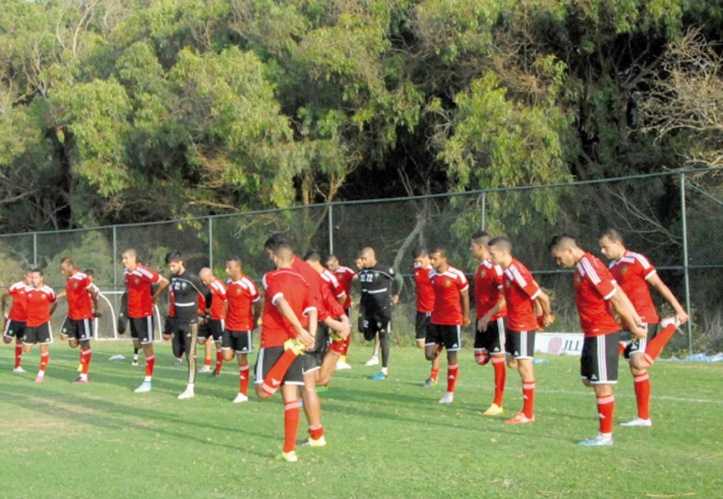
(386, 439)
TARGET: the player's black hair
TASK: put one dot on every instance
(173, 256)
(313, 256)
(613, 235)
(275, 241)
(479, 236)
(236, 259)
(89, 272)
(560, 240)
(66, 259)
(441, 250)
(36, 270)
(421, 251)
(500, 241)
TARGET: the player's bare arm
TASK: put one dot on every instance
(680, 314)
(341, 326)
(465, 307)
(162, 285)
(256, 310)
(301, 334)
(484, 321)
(624, 308)
(543, 300)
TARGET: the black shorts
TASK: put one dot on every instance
(491, 339)
(449, 336)
(80, 330)
(41, 334)
(168, 325)
(636, 345)
(212, 328)
(371, 324)
(270, 356)
(142, 329)
(312, 359)
(14, 329)
(421, 326)
(238, 341)
(520, 344)
(599, 360)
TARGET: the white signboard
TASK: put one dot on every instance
(559, 343)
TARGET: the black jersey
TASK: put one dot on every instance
(378, 284)
(186, 287)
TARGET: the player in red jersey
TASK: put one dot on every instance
(215, 323)
(489, 340)
(522, 296)
(425, 306)
(16, 318)
(635, 274)
(287, 299)
(595, 293)
(140, 301)
(41, 303)
(449, 315)
(77, 327)
(345, 276)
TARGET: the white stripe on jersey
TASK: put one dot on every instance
(516, 276)
(591, 273)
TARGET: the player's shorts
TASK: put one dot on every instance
(491, 339)
(80, 330)
(168, 325)
(239, 341)
(14, 329)
(312, 359)
(421, 325)
(520, 344)
(41, 334)
(211, 328)
(599, 360)
(270, 356)
(637, 346)
(449, 336)
(371, 324)
(142, 329)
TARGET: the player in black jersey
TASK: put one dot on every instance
(186, 289)
(380, 288)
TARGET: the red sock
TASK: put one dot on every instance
(85, 356)
(207, 361)
(275, 376)
(345, 345)
(292, 414)
(434, 373)
(642, 394)
(316, 432)
(528, 395)
(243, 372)
(498, 363)
(18, 355)
(452, 374)
(44, 359)
(605, 410)
(150, 363)
(621, 349)
(656, 345)
(219, 360)
(481, 357)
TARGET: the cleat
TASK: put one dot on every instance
(240, 398)
(341, 365)
(134, 362)
(295, 345)
(144, 388)
(215, 374)
(19, 370)
(289, 457)
(374, 361)
(429, 383)
(205, 369)
(379, 376)
(493, 410)
(322, 389)
(310, 442)
(187, 394)
(178, 362)
(447, 398)
(597, 441)
(520, 419)
(80, 380)
(80, 368)
(39, 378)
(638, 422)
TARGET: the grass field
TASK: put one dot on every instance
(386, 439)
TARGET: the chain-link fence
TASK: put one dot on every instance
(673, 218)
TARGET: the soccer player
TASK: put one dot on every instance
(186, 302)
(595, 292)
(215, 323)
(489, 339)
(41, 302)
(138, 281)
(15, 320)
(345, 276)
(425, 306)
(522, 295)
(243, 311)
(374, 360)
(286, 301)
(380, 288)
(634, 273)
(77, 327)
(450, 314)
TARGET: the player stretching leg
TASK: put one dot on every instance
(41, 305)
(345, 276)
(425, 305)
(216, 322)
(15, 320)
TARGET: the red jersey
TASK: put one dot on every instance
(632, 272)
(39, 300)
(77, 291)
(138, 285)
(448, 287)
(333, 284)
(425, 293)
(19, 310)
(345, 276)
(317, 288)
(520, 290)
(240, 296)
(171, 301)
(290, 285)
(594, 286)
(218, 302)
(488, 286)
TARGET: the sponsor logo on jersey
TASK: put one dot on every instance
(448, 283)
(625, 269)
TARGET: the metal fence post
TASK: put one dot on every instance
(35, 250)
(331, 229)
(210, 242)
(115, 259)
(686, 273)
(484, 210)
